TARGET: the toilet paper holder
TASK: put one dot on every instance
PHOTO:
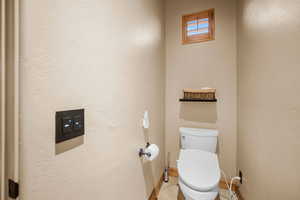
(142, 151)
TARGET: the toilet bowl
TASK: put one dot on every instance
(198, 165)
(199, 174)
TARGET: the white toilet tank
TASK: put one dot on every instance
(196, 138)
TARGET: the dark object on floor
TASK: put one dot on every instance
(166, 175)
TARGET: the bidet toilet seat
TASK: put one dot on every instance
(199, 170)
(191, 194)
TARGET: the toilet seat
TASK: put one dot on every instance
(199, 170)
(191, 194)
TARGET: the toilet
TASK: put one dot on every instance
(198, 165)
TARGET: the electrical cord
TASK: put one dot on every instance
(232, 195)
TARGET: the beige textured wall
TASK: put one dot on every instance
(269, 100)
(208, 64)
(106, 56)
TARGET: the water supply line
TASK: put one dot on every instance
(232, 194)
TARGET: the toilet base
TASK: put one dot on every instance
(190, 194)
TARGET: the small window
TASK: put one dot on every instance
(198, 27)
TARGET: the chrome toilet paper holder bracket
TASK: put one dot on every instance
(142, 151)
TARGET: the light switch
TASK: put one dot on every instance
(69, 124)
(78, 123)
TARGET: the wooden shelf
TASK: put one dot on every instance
(197, 100)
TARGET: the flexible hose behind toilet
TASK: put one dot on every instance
(232, 195)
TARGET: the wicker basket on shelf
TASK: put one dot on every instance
(202, 94)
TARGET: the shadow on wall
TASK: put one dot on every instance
(198, 112)
(68, 145)
(148, 176)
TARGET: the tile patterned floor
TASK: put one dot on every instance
(169, 191)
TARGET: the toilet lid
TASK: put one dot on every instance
(199, 169)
